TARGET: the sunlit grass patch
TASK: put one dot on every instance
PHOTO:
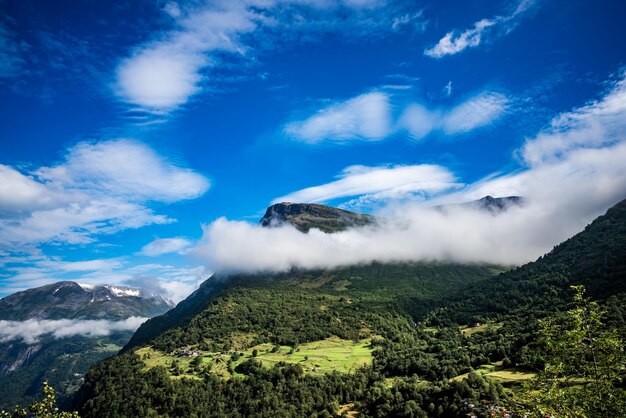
(495, 371)
(469, 331)
(318, 357)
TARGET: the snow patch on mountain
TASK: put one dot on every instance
(124, 291)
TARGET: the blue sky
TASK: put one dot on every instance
(128, 131)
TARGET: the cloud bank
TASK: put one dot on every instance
(572, 172)
(31, 330)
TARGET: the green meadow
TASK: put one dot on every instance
(318, 357)
(503, 376)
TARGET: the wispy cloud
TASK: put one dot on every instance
(80, 266)
(378, 184)
(23, 270)
(575, 172)
(448, 89)
(173, 282)
(374, 116)
(453, 42)
(31, 330)
(601, 122)
(162, 246)
(473, 113)
(12, 52)
(165, 73)
(100, 188)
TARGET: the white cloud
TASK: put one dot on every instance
(124, 168)
(478, 111)
(79, 266)
(378, 183)
(78, 222)
(19, 192)
(448, 89)
(172, 9)
(560, 200)
(364, 117)
(415, 19)
(100, 188)
(599, 123)
(34, 270)
(31, 330)
(371, 117)
(453, 43)
(163, 74)
(173, 282)
(162, 246)
(576, 173)
(475, 112)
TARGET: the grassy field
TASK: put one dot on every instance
(325, 356)
(504, 376)
(469, 331)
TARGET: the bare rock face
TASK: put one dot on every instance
(306, 216)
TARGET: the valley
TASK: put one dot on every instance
(374, 336)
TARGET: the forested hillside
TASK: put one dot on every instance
(438, 340)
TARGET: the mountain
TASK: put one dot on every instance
(305, 216)
(63, 361)
(490, 204)
(71, 300)
(376, 340)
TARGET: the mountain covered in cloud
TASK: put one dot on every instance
(71, 300)
(256, 344)
(56, 332)
(493, 205)
(305, 216)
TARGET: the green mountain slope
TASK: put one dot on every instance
(335, 301)
(61, 362)
(595, 258)
(403, 329)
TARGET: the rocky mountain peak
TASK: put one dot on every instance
(71, 300)
(305, 216)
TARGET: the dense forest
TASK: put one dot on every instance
(439, 340)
